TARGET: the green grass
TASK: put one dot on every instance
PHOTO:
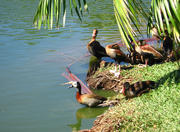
(158, 110)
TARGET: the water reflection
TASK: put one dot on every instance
(94, 64)
(86, 113)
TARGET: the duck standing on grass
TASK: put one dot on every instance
(95, 48)
(90, 99)
(166, 42)
(114, 51)
(148, 53)
(137, 89)
(167, 45)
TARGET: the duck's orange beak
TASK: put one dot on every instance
(121, 90)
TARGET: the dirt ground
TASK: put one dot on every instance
(106, 80)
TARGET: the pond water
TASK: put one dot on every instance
(32, 61)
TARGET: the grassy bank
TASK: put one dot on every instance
(158, 110)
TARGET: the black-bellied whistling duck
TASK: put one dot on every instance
(138, 54)
(137, 88)
(167, 44)
(147, 52)
(134, 57)
(114, 51)
(90, 100)
(95, 48)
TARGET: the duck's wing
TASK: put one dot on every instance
(96, 49)
(92, 100)
(96, 97)
(114, 50)
(151, 50)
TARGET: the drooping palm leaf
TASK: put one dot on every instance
(167, 16)
(163, 14)
(49, 11)
(128, 15)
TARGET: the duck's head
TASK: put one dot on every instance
(74, 84)
(141, 42)
(95, 31)
(126, 86)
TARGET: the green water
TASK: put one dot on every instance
(32, 61)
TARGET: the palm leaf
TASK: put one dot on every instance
(49, 11)
(76, 9)
(163, 14)
(166, 16)
(127, 14)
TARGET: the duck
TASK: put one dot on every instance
(137, 89)
(134, 57)
(137, 55)
(95, 48)
(167, 44)
(87, 99)
(148, 53)
(114, 52)
(165, 39)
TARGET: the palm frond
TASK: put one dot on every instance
(166, 16)
(49, 11)
(128, 14)
(163, 14)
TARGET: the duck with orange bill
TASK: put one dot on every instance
(137, 89)
(114, 51)
(148, 53)
(88, 99)
(95, 48)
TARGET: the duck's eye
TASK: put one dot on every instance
(74, 84)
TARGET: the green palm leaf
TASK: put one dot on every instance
(167, 16)
(128, 15)
(49, 11)
(163, 14)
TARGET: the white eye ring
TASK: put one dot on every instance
(74, 83)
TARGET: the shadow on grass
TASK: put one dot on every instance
(169, 78)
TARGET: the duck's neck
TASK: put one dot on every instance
(93, 37)
(79, 90)
(78, 95)
(138, 49)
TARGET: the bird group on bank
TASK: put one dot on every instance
(142, 53)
